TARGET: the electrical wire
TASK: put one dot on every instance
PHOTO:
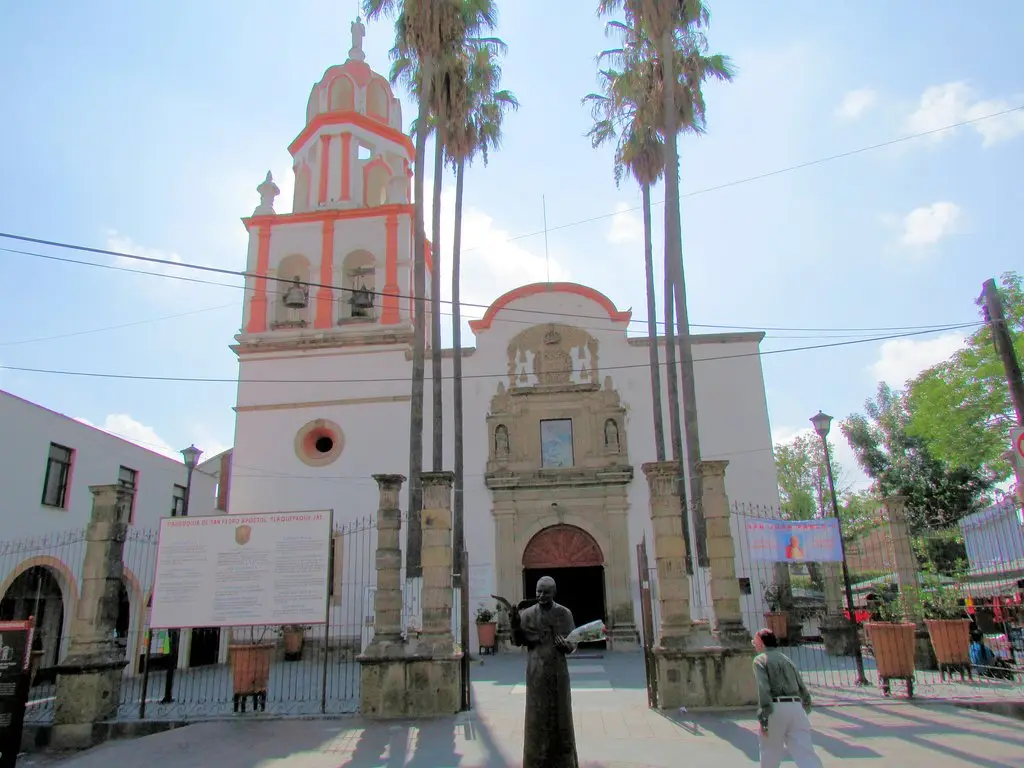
(465, 305)
(211, 380)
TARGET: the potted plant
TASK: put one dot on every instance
(892, 642)
(949, 629)
(486, 628)
(250, 667)
(779, 597)
(294, 640)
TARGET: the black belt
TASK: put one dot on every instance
(785, 698)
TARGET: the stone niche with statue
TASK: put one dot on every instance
(559, 456)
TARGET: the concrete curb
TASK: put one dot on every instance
(1011, 709)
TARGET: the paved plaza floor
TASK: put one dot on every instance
(614, 729)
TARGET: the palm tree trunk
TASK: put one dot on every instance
(652, 327)
(458, 519)
(674, 255)
(437, 451)
(414, 539)
(675, 429)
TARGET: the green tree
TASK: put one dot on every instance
(671, 25)
(961, 407)
(937, 494)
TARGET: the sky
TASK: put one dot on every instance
(145, 128)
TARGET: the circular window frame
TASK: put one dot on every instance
(306, 437)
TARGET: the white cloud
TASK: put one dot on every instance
(626, 227)
(951, 103)
(900, 360)
(929, 224)
(124, 244)
(856, 103)
(491, 262)
(124, 426)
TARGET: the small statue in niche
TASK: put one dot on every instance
(501, 442)
(611, 436)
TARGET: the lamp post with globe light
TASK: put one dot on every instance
(822, 423)
(191, 456)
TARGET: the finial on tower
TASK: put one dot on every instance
(358, 33)
(268, 190)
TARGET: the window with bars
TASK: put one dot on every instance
(58, 475)
(178, 501)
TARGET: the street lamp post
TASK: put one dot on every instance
(822, 423)
(191, 456)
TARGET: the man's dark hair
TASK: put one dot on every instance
(768, 638)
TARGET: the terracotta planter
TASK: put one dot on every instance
(250, 666)
(951, 639)
(893, 646)
(486, 634)
(777, 623)
(294, 639)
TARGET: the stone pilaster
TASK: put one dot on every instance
(904, 561)
(89, 679)
(670, 552)
(387, 598)
(436, 522)
(725, 587)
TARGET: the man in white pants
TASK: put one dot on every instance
(783, 703)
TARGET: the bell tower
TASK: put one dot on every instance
(337, 269)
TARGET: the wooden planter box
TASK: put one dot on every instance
(294, 640)
(486, 635)
(779, 624)
(893, 646)
(250, 667)
(951, 641)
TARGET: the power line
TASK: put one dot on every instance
(114, 327)
(463, 304)
(769, 174)
(211, 380)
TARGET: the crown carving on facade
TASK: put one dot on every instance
(552, 336)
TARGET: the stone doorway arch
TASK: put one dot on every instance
(562, 546)
(573, 558)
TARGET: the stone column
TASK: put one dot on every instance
(387, 598)
(670, 553)
(904, 561)
(725, 587)
(436, 522)
(89, 679)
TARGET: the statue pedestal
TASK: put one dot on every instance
(839, 636)
(403, 680)
(705, 677)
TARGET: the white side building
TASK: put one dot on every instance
(45, 506)
(557, 399)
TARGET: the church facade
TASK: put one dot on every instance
(557, 397)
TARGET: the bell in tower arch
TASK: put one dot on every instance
(361, 301)
(296, 297)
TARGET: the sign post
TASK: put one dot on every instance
(15, 646)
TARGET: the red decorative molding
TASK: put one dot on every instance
(562, 546)
(525, 291)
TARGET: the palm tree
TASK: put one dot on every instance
(618, 111)
(426, 30)
(474, 128)
(672, 25)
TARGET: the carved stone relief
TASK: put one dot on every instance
(552, 355)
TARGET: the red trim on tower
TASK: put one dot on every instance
(350, 117)
(346, 166)
(325, 166)
(525, 291)
(334, 214)
(390, 314)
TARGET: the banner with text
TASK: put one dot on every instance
(795, 541)
(242, 570)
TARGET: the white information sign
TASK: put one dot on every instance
(242, 570)
(1017, 438)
